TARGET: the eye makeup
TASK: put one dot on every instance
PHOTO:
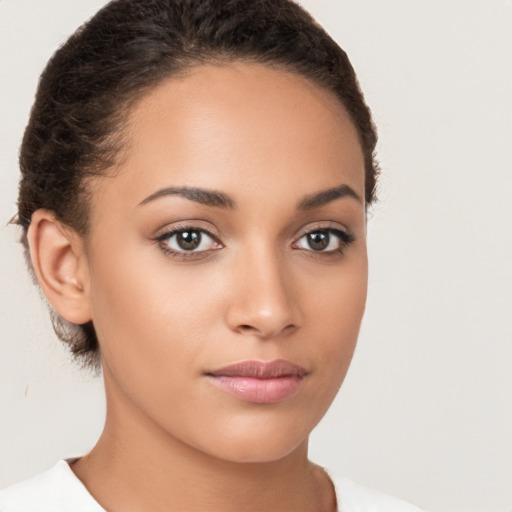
(189, 241)
(325, 240)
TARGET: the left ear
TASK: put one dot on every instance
(60, 263)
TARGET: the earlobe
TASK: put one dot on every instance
(60, 264)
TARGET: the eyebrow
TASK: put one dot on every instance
(199, 195)
(220, 200)
(326, 196)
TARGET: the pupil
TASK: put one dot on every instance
(319, 240)
(188, 240)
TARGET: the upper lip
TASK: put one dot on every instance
(260, 369)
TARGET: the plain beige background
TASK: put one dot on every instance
(426, 410)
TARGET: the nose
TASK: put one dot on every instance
(263, 303)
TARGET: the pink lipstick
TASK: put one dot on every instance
(259, 382)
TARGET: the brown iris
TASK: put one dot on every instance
(188, 240)
(318, 240)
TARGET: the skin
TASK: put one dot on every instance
(258, 291)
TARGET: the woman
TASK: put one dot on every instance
(195, 179)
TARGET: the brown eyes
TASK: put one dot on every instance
(189, 240)
(328, 240)
(186, 242)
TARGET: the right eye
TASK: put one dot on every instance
(187, 240)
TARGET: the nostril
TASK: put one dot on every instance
(251, 329)
(246, 328)
(289, 328)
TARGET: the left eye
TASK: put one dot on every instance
(188, 240)
(324, 240)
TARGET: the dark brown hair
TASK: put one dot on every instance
(90, 84)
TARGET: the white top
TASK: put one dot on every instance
(59, 490)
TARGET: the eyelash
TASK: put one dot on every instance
(345, 239)
(165, 237)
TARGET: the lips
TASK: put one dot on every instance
(259, 382)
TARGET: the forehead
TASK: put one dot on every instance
(239, 126)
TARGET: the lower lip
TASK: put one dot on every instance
(259, 391)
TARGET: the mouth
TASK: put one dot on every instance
(260, 382)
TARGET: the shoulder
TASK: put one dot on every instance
(55, 490)
(354, 497)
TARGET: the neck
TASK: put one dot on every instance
(136, 465)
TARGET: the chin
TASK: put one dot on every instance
(260, 441)
(256, 451)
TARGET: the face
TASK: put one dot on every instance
(227, 264)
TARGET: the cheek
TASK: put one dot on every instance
(153, 329)
(148, 313)
(335, 314)
(339, 294)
